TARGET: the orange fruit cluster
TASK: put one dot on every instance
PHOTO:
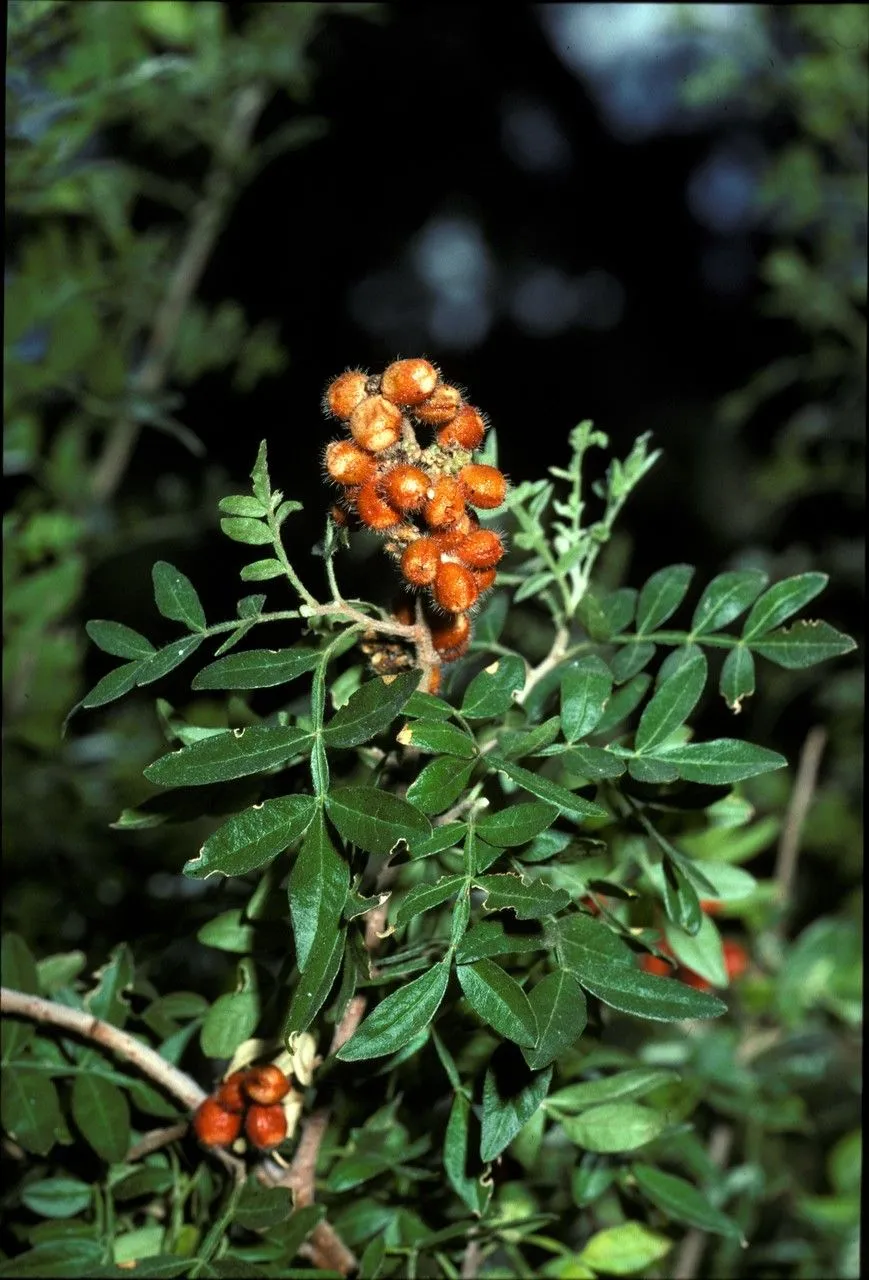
(252, 1098)
(423, 500)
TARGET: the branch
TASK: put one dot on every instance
(691, 1249)
(121, 1043)
(325, 1247)
(797, 811)
(201, 238)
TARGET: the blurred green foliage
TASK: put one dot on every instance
(119, 117)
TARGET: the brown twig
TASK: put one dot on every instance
(691, 1249)
(324, 1246)
(797, 812)
(349, 1022)
(121, 1043)
(201, 238)
(157, 1139)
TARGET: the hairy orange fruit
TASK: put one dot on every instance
(230, 1094)
(373, 511)
(266, 1127)
(344, 394)
(405, 487)
(375, 424)
(446, 505)
(441, 407)
(451, 633)
(454, 587)
(214, 1125)
(266, 1084)
(348, 464)
(408, 382)
(465, 430)
(420, 561)
(485, 486)
(484, 578)
(481, 549)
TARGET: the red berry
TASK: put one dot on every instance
(692, 979)
(420, 561)
(266, 1127)
(485, 486)
(348, 464)
(465, 430)
(231, 1095)
(409, 382)
(710, 906)
(266, 1084)
(481, 549)
(454, 587)
(654, 964)
(214, 1125)
(375, 424)
(736, 958)
(442, 405)
(373, 511)
(343, 395)
(405, 487)
(446, 505)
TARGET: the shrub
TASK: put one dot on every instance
(450, 878)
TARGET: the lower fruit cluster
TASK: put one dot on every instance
(252, 1100)
(422, 500)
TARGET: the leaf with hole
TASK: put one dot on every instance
(375, 820)
(253, 838)
(782, 601)
(235, 754)
(803, 644)
(508, 1105)
(370, 710)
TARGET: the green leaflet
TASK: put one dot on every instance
(317, 890)
(614, 1126)
(371, 709)
(253, 838)
(558, 1004)
(235, 754)
(400, 1017)
(376, 820)
(499, 1000)
(176, 597)
(256, 669)
(508, 1105)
